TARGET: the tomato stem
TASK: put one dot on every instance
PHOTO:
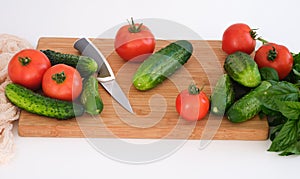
(59, 77)
(254, 35)
(193, 89)
(24, 60)
(262, 40)
(272, 54)
(133, 28)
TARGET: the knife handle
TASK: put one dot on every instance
(87, 48)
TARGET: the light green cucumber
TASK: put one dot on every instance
(90, 97)
(223, 95)
(243, 69)
(248, 106)
(162, 64)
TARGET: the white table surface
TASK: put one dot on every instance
(76, 158)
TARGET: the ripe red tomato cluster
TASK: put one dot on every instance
(237, 37)
(32, 69)
(240, 37)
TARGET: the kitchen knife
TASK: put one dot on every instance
(105, 76)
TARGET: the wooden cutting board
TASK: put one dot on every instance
(155, 115)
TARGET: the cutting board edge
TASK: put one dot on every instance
(53, 131)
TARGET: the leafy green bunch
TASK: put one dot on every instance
(282, 106)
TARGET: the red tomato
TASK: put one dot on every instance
(134, 42)
(275, 56)
(192, 104)
(62, 82)
(27, 68)
(238, 37)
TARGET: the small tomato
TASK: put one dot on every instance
(27, 68)
(275, 56)
(134, 42)
(192, 104)
(62, 82)
(238, 37)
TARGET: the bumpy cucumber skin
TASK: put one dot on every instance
(86, 66)
(242, 68)
(162, 64)
(223, 95)
(90, 97)
(41, 105)
(248, 106)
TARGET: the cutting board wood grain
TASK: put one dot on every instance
(155, 115)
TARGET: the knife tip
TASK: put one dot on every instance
(130, 110)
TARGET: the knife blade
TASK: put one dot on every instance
(105, 76)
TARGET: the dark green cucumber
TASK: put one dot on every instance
(41, 105)
(90, 97)
(223, 95)
(248, 106)
(86, 66)
(242, 68)
(162, 64)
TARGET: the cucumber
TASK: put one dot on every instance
(242, 68)
(90, 97)
(223, 95)
(248, 106)
(86, 66)
(41, 105)
(162, 64)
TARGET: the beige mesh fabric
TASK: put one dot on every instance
(4, 59)
(9, 45)
(6, 143)
(12, 44)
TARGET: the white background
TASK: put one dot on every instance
(278, 21)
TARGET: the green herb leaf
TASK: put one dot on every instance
(296, 58)
(296, 72)
(268, 73)
(281, 91)
(290, 109)
(274, 131)
(293, 149)
(293, 76)
(284, 91)
(286, 137)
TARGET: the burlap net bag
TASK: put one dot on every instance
(9, 45)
